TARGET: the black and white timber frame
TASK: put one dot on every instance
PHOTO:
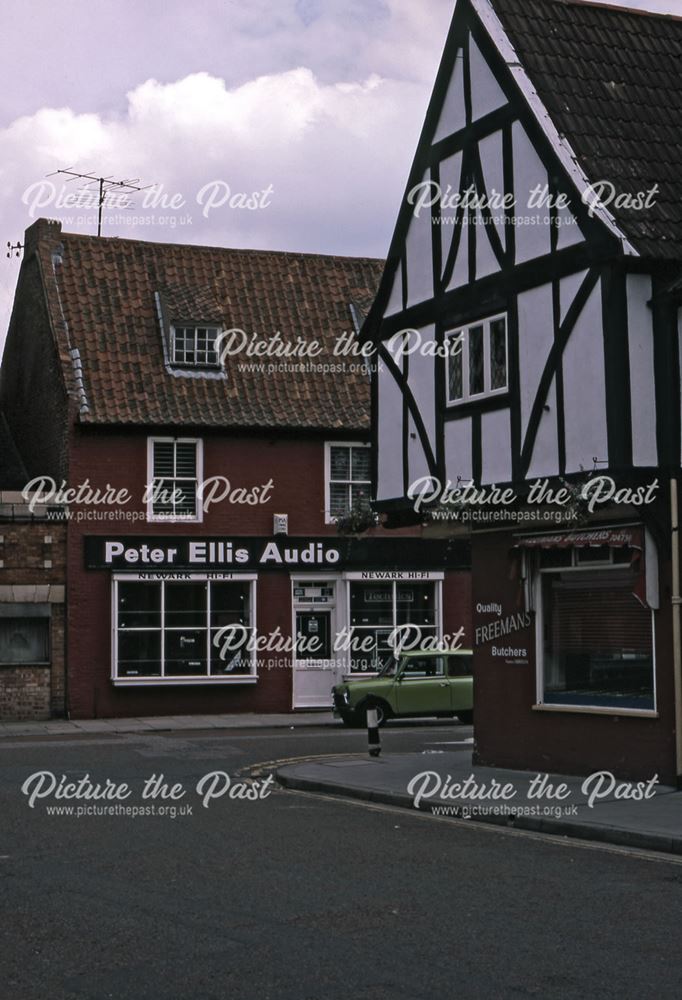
(593, 335)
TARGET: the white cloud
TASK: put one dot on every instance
(336, 156)
(320, 99)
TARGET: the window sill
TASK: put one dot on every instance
(151, 519)
(182, 681)
(38, 664)
(641, 713)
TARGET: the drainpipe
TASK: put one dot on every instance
(677, 647)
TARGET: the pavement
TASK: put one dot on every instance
(73, 727)
(653, 823)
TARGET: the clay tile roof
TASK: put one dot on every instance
(611, 80)
(108, 299)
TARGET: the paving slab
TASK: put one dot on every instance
(451, 785)
(93, 725)
(64, 727)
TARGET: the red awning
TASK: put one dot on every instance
(616, 538)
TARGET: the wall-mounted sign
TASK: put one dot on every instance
(502, 626)
(377, 558)
(378, 596)
(491, 632)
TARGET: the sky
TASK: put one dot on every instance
(273, 124)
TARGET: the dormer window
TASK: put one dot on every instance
(194, 346)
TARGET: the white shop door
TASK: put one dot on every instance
(316, 669)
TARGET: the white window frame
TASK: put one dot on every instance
(550, 706)
(179, 518)
(162, 681)
(463, 333)
(192, 365)
(358, 577)
(328, 445)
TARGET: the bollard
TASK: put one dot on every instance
(373, 741)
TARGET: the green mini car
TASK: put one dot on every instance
(430, 683)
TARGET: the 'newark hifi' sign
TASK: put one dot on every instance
(278, 553)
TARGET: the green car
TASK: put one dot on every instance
(416, 684)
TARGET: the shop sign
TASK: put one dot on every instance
(493, 633)
(377, 559)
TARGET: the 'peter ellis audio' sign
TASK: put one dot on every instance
(141, 553)
(195, 553)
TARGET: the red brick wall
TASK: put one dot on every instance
(32, 394)
(509, 733)
(457, 605)
(23, 552)
(25, 693)
(34, 692)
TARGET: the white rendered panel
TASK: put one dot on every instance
(395, 302)
(545, 458)
(568, 289)
(490, 151)
(532, 240)
(419, 256)
(421, 377)
(450, 183)
(453, 114)
(460, 274)
(486, 261)
(486, 93)
(585, 390)
(536, 337)
(418, 465)
(496, 447)
(390, 437)
(569, 232)
(458, 449)
(642, 382)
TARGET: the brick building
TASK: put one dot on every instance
(32, 577)
(113, 381)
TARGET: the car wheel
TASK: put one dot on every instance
(351, 719)
(466, 718)
(382, 710)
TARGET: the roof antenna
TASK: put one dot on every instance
(106, 184)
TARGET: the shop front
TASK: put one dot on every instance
(352, 625)
(262, 623)
(571, 651)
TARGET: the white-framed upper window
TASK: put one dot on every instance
(478, 360)
(348, 477)
(174, 475)
(194, 346)
(190, 631)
